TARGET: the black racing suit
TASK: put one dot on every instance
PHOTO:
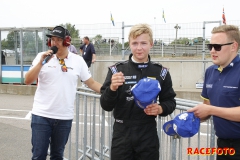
(135, 132)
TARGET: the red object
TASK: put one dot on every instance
(223, 17)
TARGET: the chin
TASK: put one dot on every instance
(216, 62)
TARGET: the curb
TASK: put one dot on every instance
(18, 89)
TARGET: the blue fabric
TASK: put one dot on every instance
(223, 90)
(89, 51)
(47, 131)
(145, 92)
(184, 124)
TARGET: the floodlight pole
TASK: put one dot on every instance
(21, 55)
(177, 27)
(110, 53)
(154, 33)
(123, 26)
(204, 39)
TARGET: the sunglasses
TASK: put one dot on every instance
(217, 47)
(63, 67)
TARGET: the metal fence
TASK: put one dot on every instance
(92, 132)
(169, 38)
(20, 45)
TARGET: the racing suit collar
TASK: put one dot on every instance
(139, 65)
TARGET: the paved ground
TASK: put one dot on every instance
(15, 130)
(15, 133)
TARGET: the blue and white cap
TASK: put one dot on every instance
(145, 92)
(185, 124)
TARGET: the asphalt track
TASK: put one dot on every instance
(15, 130)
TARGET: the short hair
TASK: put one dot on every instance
(86, 37)
(232, 32)
(139, 29)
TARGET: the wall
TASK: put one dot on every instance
(184, 75)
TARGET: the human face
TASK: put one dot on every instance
(85, 41)
(140, 47)
(56, 41)
(223, 57)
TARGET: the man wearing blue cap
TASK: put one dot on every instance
(221, 90)
(131, 90)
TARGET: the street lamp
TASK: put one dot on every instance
(177, 27)
(154, 34)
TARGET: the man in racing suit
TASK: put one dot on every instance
(134, 131)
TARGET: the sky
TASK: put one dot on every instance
(32, 13)
(44, 13)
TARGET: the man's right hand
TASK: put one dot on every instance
(117, 80)
(44, 55)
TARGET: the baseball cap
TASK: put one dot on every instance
(185, 124)
(145, 92)
(58, 31)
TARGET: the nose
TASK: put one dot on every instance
(139, 46)
(53, 43)
(212, 49)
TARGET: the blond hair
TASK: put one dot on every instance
(232, 32)
(139, 29)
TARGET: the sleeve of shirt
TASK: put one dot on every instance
(108, 98)
(84, 73)
(74, 49)
(204, 94)
(36, 60)
(93, 49)
(166, 96)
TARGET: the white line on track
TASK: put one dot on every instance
(29, 115)
(6, 117)
(14, 110)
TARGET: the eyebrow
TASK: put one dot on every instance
(57, 38)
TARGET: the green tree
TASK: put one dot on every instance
(4, 44)
(73, 32)
(29, 39)
(188, 41)
(126, 44)
(98, 37)
(9, 42)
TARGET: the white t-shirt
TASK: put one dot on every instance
(56, 90)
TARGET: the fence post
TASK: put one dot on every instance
(85, 127)
(102, 134)
(77, 123)
(159, 124)
(122, 40)
(212, 138)
(93, 128)
(174, 147)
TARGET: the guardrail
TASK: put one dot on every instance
(93, 132)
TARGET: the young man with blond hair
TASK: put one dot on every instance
(221, 90)
(134, 132)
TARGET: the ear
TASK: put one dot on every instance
(151, 43)
(235, 46)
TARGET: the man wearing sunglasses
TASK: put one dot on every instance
(221, 90)
(53, 107)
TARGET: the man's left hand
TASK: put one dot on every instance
(153, 109)
(93, 60)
